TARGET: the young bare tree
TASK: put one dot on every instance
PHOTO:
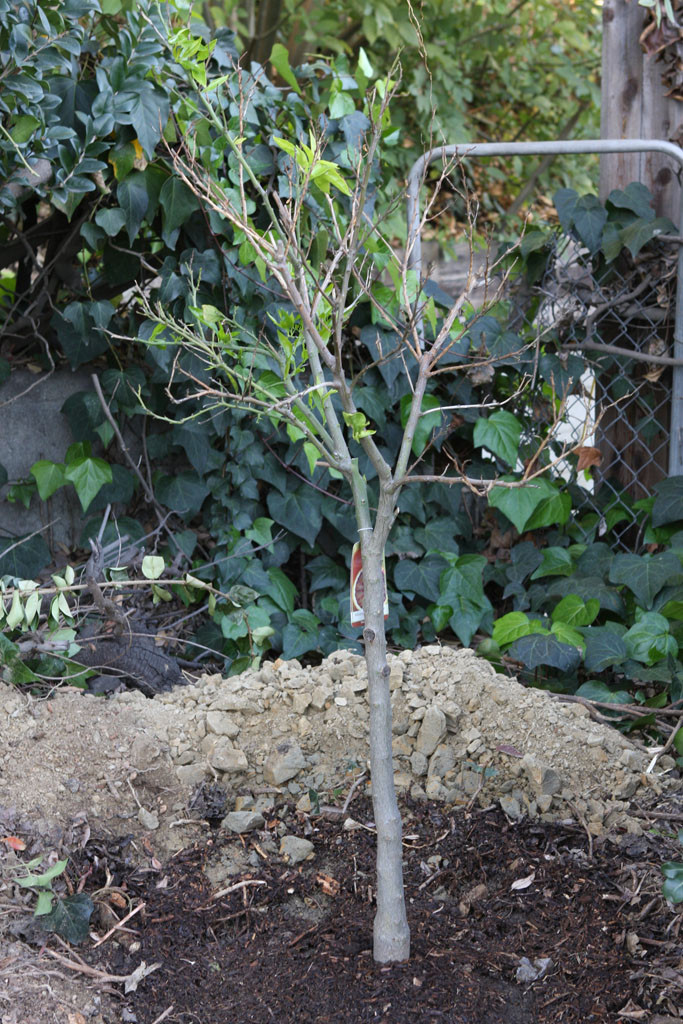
(325, 251)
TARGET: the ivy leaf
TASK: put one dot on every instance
(70, 918)
(595, 689)
(81, 329)
(554, 509)
(438, 535)
(177, 203)
(300, 634)
(133, 199)
(510, 628)
(604, 648)
(565, 200)
(645, 575)
(576, 612)
(281, 589)
(636, 197)
(517, 503)
(500, 433)
(638, 234)
(556, 562)
(420, 576)
(587, 587)
(535, 650)
(649, 640)
(49, 477)
(26, 560)
(462, 588)
(589, 218)
(88, 475)
(426, 424)
(146, 107)
(297, 512)
(567, 634)
(111, 221)
(673, 881)
(279, 58)
(668, 506)
(184, 493)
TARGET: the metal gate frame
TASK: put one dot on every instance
(600, 146)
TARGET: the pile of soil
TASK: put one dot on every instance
(224, 783)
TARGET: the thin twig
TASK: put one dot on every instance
(119, 924)
(149, 493)
(23, 540)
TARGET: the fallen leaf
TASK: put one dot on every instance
(330, 886)
(523, 883)
(75, 1018)
(14, 842)
(141, 972)
(118, 899)
(588, 457)
(507, 748)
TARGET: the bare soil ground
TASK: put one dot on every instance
(525, 905)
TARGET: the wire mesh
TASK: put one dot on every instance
(615, 316)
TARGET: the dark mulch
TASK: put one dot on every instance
(297, 950)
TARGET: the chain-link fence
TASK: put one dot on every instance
(620, 319)
(625, 319)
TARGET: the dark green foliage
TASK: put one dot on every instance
(105, 101)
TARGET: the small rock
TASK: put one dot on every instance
(148, 819)
(627, 788)
(283, 763)
(632, 759)
(143, 751)
(232, 702)
(442, 760)
(341, 669)
(294, 849)
(432, 730)
(396, 676)
(543, 802)
(471, 782)
(544, 780)
(510, 806)
(300, 701)
(527, 972)
(320, 697)
(356, 684)
(190, 774)
(418, 763)
(402, 746)
(221, 723)
(226, 758)
(243, 821)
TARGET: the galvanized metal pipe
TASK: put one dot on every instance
(467, 150)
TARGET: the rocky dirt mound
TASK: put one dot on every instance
(461, 734)
(143, 775)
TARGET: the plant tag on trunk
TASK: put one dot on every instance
(358, 590)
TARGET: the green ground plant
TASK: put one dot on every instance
(69, 915)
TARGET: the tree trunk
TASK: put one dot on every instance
(391, 935)
(635, 106)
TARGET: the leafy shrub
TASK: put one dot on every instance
(102, 101)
